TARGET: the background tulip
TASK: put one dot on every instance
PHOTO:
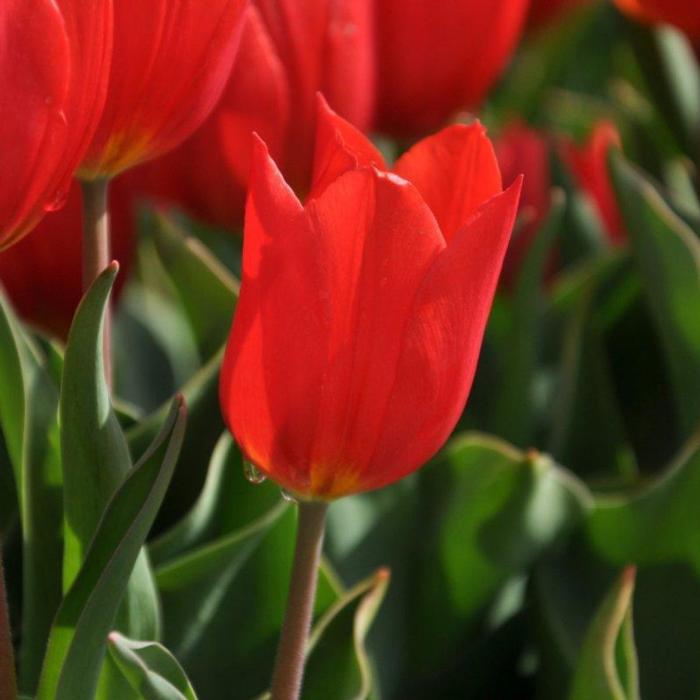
(54, 81)
(361, 314)
(523, 150)
(41, 274)
(589, 165)
(434, 62)
(326, 47)
(683, 14)
(171, 62)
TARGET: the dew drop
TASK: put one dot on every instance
(253, 474)
(57, 202)
(290, 498)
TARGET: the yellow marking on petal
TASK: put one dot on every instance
(330, 482)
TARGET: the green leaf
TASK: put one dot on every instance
(668, 257)
(150, 669)
(338, 664)
(653, 526)
(201, 282)
(514, 416)
(78, 636)
(607, 664)
(28, 418)
(201, 394)
(95, 456)
(500, 510)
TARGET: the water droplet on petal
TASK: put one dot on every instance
(288, 496)
(57, 202)
(253, 474)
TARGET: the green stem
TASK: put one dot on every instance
(8, 682)
(96, 249)
(291, 652)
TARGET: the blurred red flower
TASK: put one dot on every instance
(683, 14)
(433, 62)
(361, 315)
(42, 273)
(170, 64)
(54, 66)
(288, 52)
(522, 150)
(589, 165)
(543, 12)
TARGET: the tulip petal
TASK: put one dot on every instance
(441, 346)
(455, 170)
(339, 147)
(272, 369)
(377, 238)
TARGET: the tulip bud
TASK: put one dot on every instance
(434, 62)
(361, 314)
(170, 64)
(54, 67)
(589, 165)
(41, 274)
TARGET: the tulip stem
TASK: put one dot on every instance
(96, 249)
(8, 683)
(291, 651)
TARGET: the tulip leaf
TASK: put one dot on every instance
(201, 282)
(95, 456)
(28, 418)
(150, 669)
(607, 664)
(653, 526)
(668, 256)
(79, 633)
(201, 393)
(514, 416)
(500, 509)
(338, 664)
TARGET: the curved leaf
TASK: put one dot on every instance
(78, 637)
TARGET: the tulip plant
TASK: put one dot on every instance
(349, 349)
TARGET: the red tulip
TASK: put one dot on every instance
(683, 14)
(325, 46)
(543, 12)
(433, 62)
(54, 65)
(523, 150)
(589, 165)
(361, 314)
(171, 61)
(41, 274)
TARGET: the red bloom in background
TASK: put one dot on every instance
(683, 14)
(543, 12)
(54, 66)
(434, 61)
(589, 165)
(289, 51)
(522, 150)
(171, 61)
(361, 315)
(42, 273)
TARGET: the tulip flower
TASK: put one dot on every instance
(362, 312)
(544, 12)
(589, 166)
(41, 274)
(170, 64)
(326, 47)
(433, 62)
(522, 149)
(683, 14)
(54, 66)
